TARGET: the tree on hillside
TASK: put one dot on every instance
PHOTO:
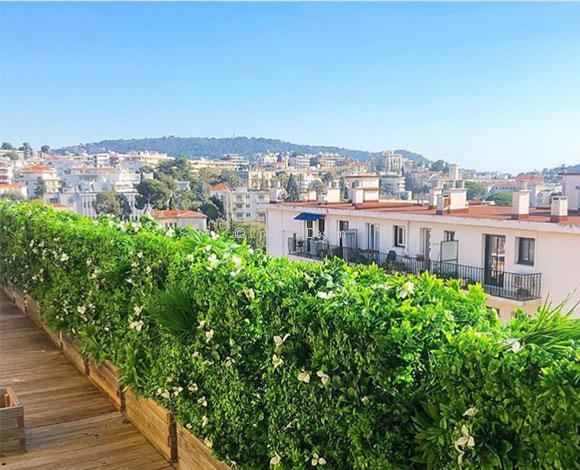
(178, 169)
(27, 149)
(152, 193)
(112, 203)
(501, 198)
(7, 146)
(292, 189)
(475, 190)
(439, 165)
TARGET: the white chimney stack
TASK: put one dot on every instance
(559, 209)
(332, 195)
(358, 196)
(457, 199)
(434, 194)
(520, 203)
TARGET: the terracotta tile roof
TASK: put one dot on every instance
(177, 214)
(35, 169)
(220, 187)
(11, 186)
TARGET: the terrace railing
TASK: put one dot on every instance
(508, 285)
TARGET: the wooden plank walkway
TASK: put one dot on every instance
(69, 423)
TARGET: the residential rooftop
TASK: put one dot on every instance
(177, 214)
(476, 210)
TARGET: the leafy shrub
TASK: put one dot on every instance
(298, 364)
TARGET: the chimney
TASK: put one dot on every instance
(440, 204)
(458, 199)
(434, 194)
(559, 209)
(358, 195)
(332, 195)
(276, 194)
(521, 202)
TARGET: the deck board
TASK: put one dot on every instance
(69, 423)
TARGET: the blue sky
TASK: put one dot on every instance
(484, 85)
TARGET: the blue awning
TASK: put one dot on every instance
(308, 216)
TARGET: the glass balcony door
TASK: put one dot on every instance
(494, 263)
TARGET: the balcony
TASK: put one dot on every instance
(508, 285)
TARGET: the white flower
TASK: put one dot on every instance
(208, 442)
(304, 377)
(208, 336)
(140, 254)
(251, 251)
(470, 412)
(212, 260)
(204, 421)
(237, 260)
(323, 377)
(202, 401)
(135, 226)
(147, 269)
(516, 346)
(277, 361)
(129, 281)
(326, 295)
(81, 309)
(316, 460)
(170, 232)
(207, 248)
(177, 391)
(364, 400)
(406, 290)
(137, 309)
(89, 262)
(196, 355)
(213, 235)
(64, 257)
(229, 361)
(188, 426)
(189, 257)
(193, 387)
(136, 325)
(235, 273)
(279, 340)
(275, 460)
(249, 293)
(166, 395)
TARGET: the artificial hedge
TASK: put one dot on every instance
(294, 365)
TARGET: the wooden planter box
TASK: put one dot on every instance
(70, 348)
(55, 337)
(154, 422)
(20, 300)
(33, 310)
(194, 454)
(12, 438)
(106, 377)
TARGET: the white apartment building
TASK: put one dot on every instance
(33, 175)
(392, 185)
(6, 172)
(521, 256)
(241, 204)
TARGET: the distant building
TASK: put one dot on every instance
(241, 204)
(34, 175)
(180, 218)
(13, 188)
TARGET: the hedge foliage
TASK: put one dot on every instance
(294, 365)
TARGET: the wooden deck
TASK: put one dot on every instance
(69, 423)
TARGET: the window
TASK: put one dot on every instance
(449, 235)
(526, 251)
(321, 227)
(342, 227)
(373, 237)
(400, 236)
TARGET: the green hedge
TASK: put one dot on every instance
(296, 364)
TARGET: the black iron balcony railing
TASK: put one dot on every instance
(498, 283)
